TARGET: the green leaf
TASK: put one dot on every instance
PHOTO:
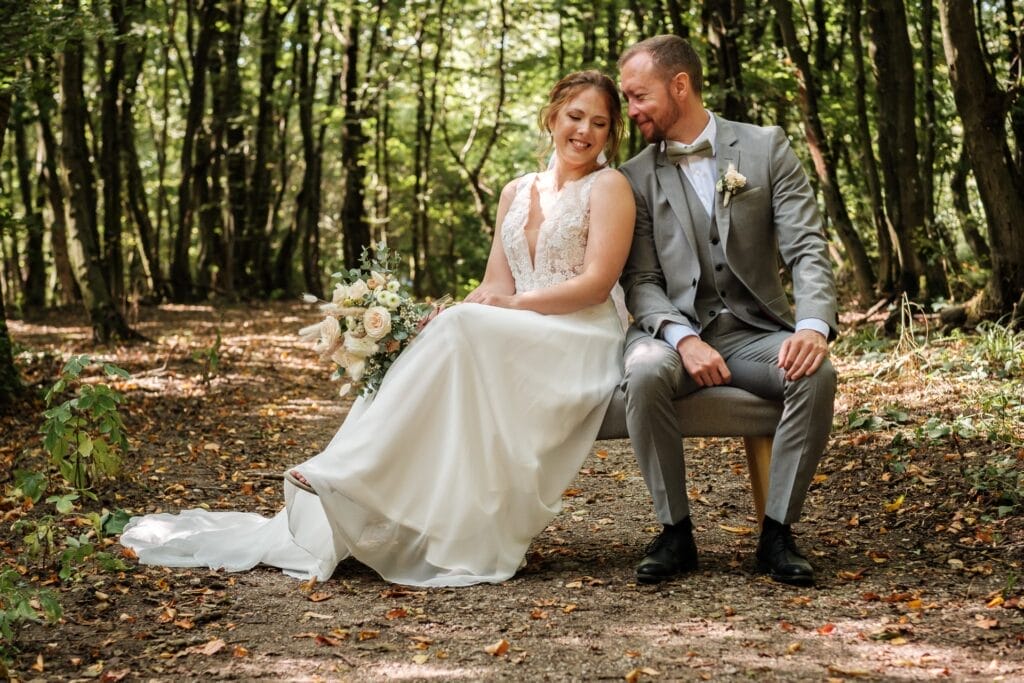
(114, 522)
(64, 503)
(31, 484)
(85, 445)
(114, 371)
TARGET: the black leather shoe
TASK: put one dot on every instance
(671, 553)
(779, 558)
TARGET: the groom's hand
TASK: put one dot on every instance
(705, 365)
(802, 353)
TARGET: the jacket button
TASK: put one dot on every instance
(714, 240)
(694, 283)
(719, 267)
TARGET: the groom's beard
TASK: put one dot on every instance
(658, 125)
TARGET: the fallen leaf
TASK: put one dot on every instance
(569, 493)
(319, 596)
(740, 530)
(569, 608)
(498, 649)
(786, 626)
(634, 675)
(825, 629)
(896, 504)
(538, 613)
(843, 671)
(421, 659)
(210, 648)
(982, 622)
(601, 455)
(327, 641)
(239, 651)
(397, 613)
(113, 676)
(632, 654)
(39, 665)
(315, 615)
(368, 635)
(793, 647)
(185, 624)
(995, 602)
(852, 576)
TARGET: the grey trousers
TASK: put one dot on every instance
(654, 376)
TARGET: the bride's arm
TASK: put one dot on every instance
(498, 279)
(612, 212)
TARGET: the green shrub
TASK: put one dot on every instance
(84, 435)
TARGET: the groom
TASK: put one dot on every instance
(717, 203)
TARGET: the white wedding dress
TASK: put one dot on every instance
(460, 459)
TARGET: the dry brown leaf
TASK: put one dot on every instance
(740, 530)
(982, 622)
(319, 596)
(368, 635)
(896, 504)
(396, 613)
(113, 676)
(327, 641)
(538, 613)
(421, 659)
(825, 629)
(843, 671)
(210, 648)
(39, 665)
(792, 648)
(498, 649)
(239, 651)
(634, 675)
(569, 608)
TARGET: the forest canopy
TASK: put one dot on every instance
(183, 150)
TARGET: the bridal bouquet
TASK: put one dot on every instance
(368, 322)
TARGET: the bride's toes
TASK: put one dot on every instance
(296, 478)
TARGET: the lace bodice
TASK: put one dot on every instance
(561, 240)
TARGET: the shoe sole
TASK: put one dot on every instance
(789, 580)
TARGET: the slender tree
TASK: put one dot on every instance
(983, 108)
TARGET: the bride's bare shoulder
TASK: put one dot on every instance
(611, 180)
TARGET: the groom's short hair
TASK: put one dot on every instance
(670, 54)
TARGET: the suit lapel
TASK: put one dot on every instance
(671, 183)
(726, 152)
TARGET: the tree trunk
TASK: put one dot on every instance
(110, 151)
(255, 247)
(982, 105)
(34, 286)
(67, 288)
(897, 134)
(235, 162)
(825, 162)
(356, 230)
(962, 206)
(10, 378)
(181, 272)
(474, 173)
(106, 320)
(138, 205)
(723, 21)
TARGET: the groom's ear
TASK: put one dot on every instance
(680, 86)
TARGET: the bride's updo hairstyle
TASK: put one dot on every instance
(572, 85)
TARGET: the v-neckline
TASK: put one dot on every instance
(545, 219)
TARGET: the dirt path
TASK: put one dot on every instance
(919, 587)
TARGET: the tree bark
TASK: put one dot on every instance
(34, 285)
(181, 271)
(983, 105)
(67, 288)
(723, 20)
(825, 162)
(356, 230)
(138, 205)
(235, 162)
(10, 378)
(962, 206)
(110, 150)
(884, 231)
(897, 135)
(106, 320)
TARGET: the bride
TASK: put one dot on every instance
(444, 476)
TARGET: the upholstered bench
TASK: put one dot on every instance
(718, 411)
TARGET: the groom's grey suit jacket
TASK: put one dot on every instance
(774, 214)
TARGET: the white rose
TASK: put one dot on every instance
(330, 335)
(360, 346)
(381, 295)
(393, 300)
(376, 322)
(356, 371)
(340, 294)
(357, 290)
(394, 285)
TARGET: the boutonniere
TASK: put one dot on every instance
(731, 181)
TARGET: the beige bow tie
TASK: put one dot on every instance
(677, 151)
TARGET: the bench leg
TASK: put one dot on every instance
(759, 458)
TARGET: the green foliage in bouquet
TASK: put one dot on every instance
(370, 319)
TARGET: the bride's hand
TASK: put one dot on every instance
(488, 298)
(435, 310)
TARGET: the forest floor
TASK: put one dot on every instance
(915, 525)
